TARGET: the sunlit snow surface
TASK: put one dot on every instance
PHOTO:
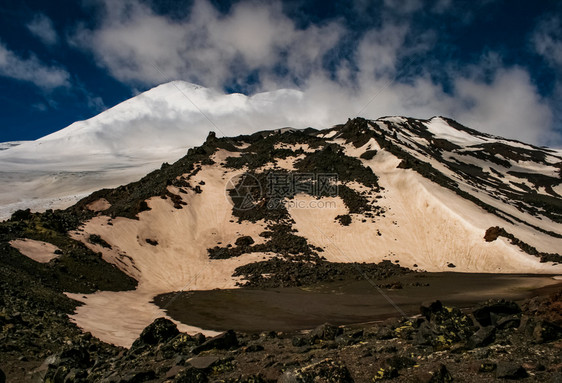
(508, 176)
(127, 141)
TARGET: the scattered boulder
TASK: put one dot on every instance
(77, 355)
(224, 341)
(440, 374)
(139, 377)
(182, 343)
(445, 326)
(299, 341)
(159, 331)
(325, 332)
(244, 241)
(152, 242)
(483, 337)
(191, 375)
(487, 366)
(254, 348)
(368, 155)
(398, 363)
(344, 219)
(199, 338)
(492, 233)
(511, 321)
(385, 333)
(510, 370)
(491, 311)
(546, 332)
(203, 362)
(424, 335)
(349, 337)
(433, 308)
(327, 370)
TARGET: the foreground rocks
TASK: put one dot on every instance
(494, 340)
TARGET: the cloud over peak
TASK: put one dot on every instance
(31, 69)
(42, 27)
(378, 70)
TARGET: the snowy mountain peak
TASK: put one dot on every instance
(289, 207)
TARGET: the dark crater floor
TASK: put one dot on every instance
(343, 302)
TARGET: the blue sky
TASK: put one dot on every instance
(493, 65)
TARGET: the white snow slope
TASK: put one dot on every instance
(127, 141)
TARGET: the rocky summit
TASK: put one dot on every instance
(395, 249)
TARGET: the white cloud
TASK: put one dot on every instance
(32, 70)
(509, 106)
(41, 107)
(42, 27)
(442, 6)
(141, 47)
(547, 40)
(379, 49)
(138, 46)
(404, 6)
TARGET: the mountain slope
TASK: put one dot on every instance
(429, 194)
(127, 141)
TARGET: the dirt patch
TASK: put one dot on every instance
(39, 251)
(99, 205)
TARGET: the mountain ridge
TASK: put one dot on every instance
(408, 205)
(422, 214)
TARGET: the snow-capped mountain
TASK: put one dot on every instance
(262, 194)
(517, 182)
(10, 144)
(168, 118)
(428, 194)
(127, 141)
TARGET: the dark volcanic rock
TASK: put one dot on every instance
(440, 374)
(139, 377)
(368, 155)
(445, 326)
(489, 312)
(492, 233)
(429, 310)
(424, 335)
(191, 375)
(254, 348)
(487, 367)
(344, 219)
(203, 362)
(512, 321)
(325, 332)
(159, 331)
(77, 355)
(327, 370)
(510, 370)
(244, 241)
(300, 341)
(303, 271)
(483, 337)
(546, 332)
(224, 341)
(391, 367)
(2, 377)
